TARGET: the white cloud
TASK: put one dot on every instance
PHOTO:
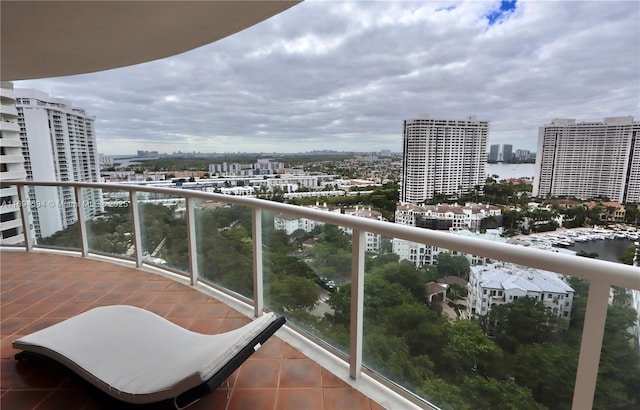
(330, 75)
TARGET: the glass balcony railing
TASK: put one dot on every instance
(339, 280)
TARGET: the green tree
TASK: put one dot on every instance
(523, 321)
(549, 371)
(292, 292)
(453, 265)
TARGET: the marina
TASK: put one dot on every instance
(609, 244)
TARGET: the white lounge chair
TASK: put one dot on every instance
(136, 356)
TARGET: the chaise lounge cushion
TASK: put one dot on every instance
(137, 356)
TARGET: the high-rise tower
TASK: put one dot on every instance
(442, 157)
(589, 159)
(58, 144)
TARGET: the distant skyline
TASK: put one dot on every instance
(343, 76)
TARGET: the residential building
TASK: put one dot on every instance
(11, 169)
(290, 224)
(58, 144)
(469, 216)
(507, 153)
(421, 254)
(589, 159)
(500, 283)
(494, 152)
(522, 155)
(373, 241)
(442, 157)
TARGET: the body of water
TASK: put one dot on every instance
(507, 171)
(607, 249)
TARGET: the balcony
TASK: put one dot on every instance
(44, 284)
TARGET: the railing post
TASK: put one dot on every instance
(82, 221)
(137, 233)
(25, 210)
(258, 284)
(357, 302)
(191, 240)
(591, 345)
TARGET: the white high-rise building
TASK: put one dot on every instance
(11, 168)
(589, 159)
(442, 157)
(58, 144)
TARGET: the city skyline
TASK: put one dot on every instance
(343, 76)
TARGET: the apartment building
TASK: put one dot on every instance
(373, 241)
(58, 144)
(469, 216)
(589, 159)
(494, 153)
(499, 283)
(11, 169)
(290, 224)
(442, 157)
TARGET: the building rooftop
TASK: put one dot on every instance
(41, 289)
(507, 276)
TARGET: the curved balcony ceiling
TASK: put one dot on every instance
(41, 39)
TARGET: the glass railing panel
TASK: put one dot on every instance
(619, 370)
(54, 217)
(307, 275)
(109, 225)
(452, 329)
(163, 229)
(224, 246)
(10, 216)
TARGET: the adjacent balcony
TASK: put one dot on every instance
(209, 262)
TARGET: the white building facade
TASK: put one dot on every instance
(373, 241)
(589, 159)
(469, 216)
(290, 224)
(500, 283)
(442, 157)
(11, 169)
(58, 144)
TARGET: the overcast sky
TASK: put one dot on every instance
(344, 75)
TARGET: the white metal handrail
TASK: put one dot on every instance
(601, 274)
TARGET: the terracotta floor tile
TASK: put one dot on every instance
(7, 350)
(299, 399)
(330, 380)
(66, 310)
(39, 290)
(272, 349)
(185, 310)
(12, 325)
(300, 373)
(38, 310)
(291, 353)
(344, 399)
(66, 399)
(22, 400)
(11, 308)
(206, 325)
(214, 310)
(233, 323)
(161, 309)
(252, 399)
(258, 374)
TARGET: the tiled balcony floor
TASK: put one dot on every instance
(40, 289)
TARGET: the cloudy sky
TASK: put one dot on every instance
(343, 75)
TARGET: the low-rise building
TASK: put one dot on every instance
(290, 224)
(373, 240)
(501, 283)
(469, 216)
